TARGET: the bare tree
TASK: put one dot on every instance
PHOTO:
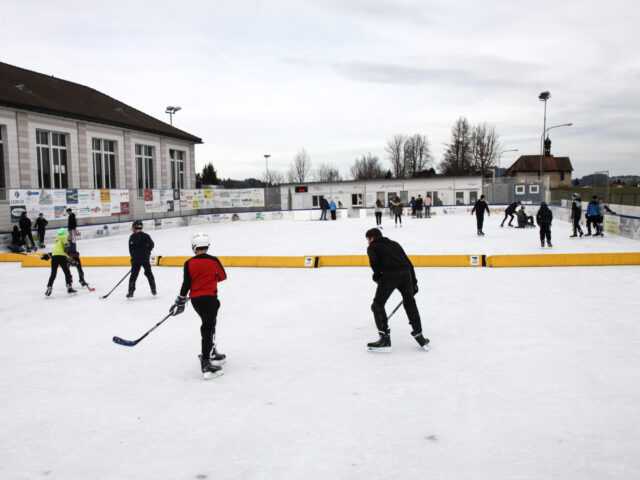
(484, 147)
(326, 173)
(272, 177)
(417, 155)
(300, 168)
(367, 167)
(457, 157)
(395, 155)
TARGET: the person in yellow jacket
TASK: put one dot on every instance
(59, 259)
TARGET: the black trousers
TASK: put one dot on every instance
(135, 270)
(24, 234)
(41, 234)
(59, 261)
(576, 225)
(333, 214)
(480, 221)
(378, 218)
(207, 307)
(505, 217)
(545, 232)
(391, 280)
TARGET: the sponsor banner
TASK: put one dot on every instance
(85, 203)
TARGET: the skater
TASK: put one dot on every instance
(25, 231)
(478, 209)
(509, 211)
(378, 212)
(604, 208)
(427, 206)
(592, 216)
(59, 259)
(201, 276)
(576, 213)
(140, 246)
(524, 220)
(544, 217)
(72, 225)
(16, 241)
(324, 205)
(419, 204)
(412, 204)
(40, 226)
(74, 260)
(392, 270)
(332, 209)
(396, 206)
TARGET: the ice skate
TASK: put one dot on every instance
(48, 292)
(549, 244)
(217, 359)
(70, 290)
(129, 294)
(542, 244)
(383, 345)
(209, 371)
(423, 342)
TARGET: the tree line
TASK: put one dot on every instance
(472, 150)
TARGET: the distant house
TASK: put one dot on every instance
(556, 169)
(56, 134)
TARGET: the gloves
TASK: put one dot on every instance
(178, 306)
(46, 256)
(415, 287)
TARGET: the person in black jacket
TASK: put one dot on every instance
(16, 241)
(392, 270)
(140, 246)
(324, 205)
(478, 209)
(72, 225)
(576, 213)
(25, 231)
(40, 226)
(544, 217)
(509, 212)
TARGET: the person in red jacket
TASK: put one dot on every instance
(201, 276)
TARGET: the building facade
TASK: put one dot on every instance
(56, 134)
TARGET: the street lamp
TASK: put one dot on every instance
(500, 155)
(266, 162)
(171, 110)
(542, 142)
(543, 97)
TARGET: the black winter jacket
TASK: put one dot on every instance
(480, 207)
(140, 246)
(511, 209)
(25, 223)
(386, 255)
(41, 224)
(71, 222)
(544, 217)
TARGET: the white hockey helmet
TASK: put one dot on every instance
(199, 240)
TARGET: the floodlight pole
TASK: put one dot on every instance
(266, 162)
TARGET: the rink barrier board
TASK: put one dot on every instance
(564, 260)
(315, 261)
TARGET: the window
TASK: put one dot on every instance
(520, 190)
(356, 199)
(534, 189)
(473, 197)
(51, 149)
(177, 168)
(104, 163)
(144, 168)
(2, 184)
(562, 176)
(316, 200)
(459, 198)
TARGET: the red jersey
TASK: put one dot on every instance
(201, 276)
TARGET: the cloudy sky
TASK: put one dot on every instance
(340, 77)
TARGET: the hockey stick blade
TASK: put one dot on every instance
(126, 343)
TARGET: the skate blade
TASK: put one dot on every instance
(425, 347)
(211, 375)
(217, 363)
(380, 349)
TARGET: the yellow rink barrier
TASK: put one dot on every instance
(564, 260)
(314, 261)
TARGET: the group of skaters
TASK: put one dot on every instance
(329, 206)
(396, 209)
(544, 217)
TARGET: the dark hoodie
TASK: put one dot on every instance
(544, 217)
(386, 255)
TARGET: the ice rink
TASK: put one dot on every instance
(533, 373)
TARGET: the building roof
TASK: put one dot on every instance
(531, 164)
(36, 92)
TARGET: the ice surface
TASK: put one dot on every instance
(533, 373)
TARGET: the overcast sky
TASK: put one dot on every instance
(340, 77)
